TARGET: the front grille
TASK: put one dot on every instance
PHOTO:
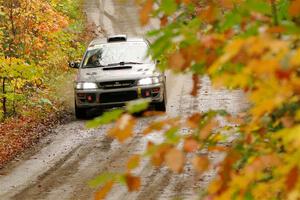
(117, 84)
(118, 96)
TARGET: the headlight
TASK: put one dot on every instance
(86, 86)
(148, 81)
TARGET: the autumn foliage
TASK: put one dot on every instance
(241, 44)
(37, 37)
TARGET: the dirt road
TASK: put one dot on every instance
(60, 166)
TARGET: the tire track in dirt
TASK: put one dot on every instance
(91, 158)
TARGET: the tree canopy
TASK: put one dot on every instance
(251, 45)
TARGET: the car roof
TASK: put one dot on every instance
(99, 41)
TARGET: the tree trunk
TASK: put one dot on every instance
(4, 110)
(274, 12)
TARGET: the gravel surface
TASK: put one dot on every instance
(60, 166)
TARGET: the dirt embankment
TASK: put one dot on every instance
(18, 134)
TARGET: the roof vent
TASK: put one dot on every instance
(117, 38)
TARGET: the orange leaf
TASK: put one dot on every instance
(155, 126)
(283, 74)
(101, 194)
(186, 1)
(217, 148)
(193, 121)
(159, 156)
(207, 129)
(292, 178)
(174, 160)
(235, 120)
(123, 128)
(276, 29)
(200, 163)
(163, 21)
(159, 125)
(294, 9)
(208, 14)
(190, 145)
(133, 182)
(176, 61)
(227, 4)
(133, 162)
(145, 12)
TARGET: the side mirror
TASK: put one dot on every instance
(74, 64)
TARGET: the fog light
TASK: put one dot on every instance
(90, 98)
(155, 90)
(147, 93)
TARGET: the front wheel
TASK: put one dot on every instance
(80, 113)
(161, 106)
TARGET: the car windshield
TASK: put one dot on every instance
(119, 52)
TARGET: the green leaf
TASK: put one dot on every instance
(249, 196)
(198, 68)
(137, 105)
(231, 19)
(106, 118)
(168, 6)
(258, 6)
(171, 135)
(283, 7)
(102, 179)
(291, 27)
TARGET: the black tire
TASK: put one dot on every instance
(80, 113)
(162, 106)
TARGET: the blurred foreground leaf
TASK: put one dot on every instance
(101, 194)
(102, 179)
(106, 118)
(137, 105)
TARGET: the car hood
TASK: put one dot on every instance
(127, 72)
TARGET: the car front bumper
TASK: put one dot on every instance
(119, 96)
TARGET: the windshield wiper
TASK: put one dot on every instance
(124, 63)
(93, 66)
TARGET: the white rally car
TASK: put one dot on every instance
(116, 70)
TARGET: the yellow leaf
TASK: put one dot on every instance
(297, 116)
(133, 162)
(263, 66)
(230, 51)
(295, 59)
